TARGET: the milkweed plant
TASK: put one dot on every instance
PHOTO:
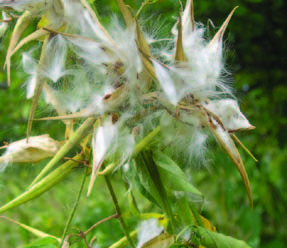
(132, 104)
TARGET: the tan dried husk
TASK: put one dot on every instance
(37, 149)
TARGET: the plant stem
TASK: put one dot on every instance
(118, 210)
(122, 243)
(74, 207)
(75, 139)
(100, 222)
(145, 141)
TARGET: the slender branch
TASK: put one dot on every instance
(118, 210)
(84, 234)
(84, 238)
(74, 207)
(100, 222)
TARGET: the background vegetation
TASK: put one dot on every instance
(255, 55)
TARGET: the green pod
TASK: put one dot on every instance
(44, 185)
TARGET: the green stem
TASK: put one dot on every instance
(145, 141)
(122, 243)
(74, 140)
(119, 212)
(74, 207)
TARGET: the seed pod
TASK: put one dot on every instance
(37, 149)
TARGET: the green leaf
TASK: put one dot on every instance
(47, 242)
(137, 180)
(183, 210)
(210, 239)
(152, 181)
(174, 177)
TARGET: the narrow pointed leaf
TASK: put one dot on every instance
(75, 139)
(22, 23)
(44, 185)
(35, 231)
(174, 177)
(136, 181)
(152, 181)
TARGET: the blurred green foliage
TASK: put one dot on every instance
(255, 55)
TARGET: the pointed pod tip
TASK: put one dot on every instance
(219, 35)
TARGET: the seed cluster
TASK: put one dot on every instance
(128, 83)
